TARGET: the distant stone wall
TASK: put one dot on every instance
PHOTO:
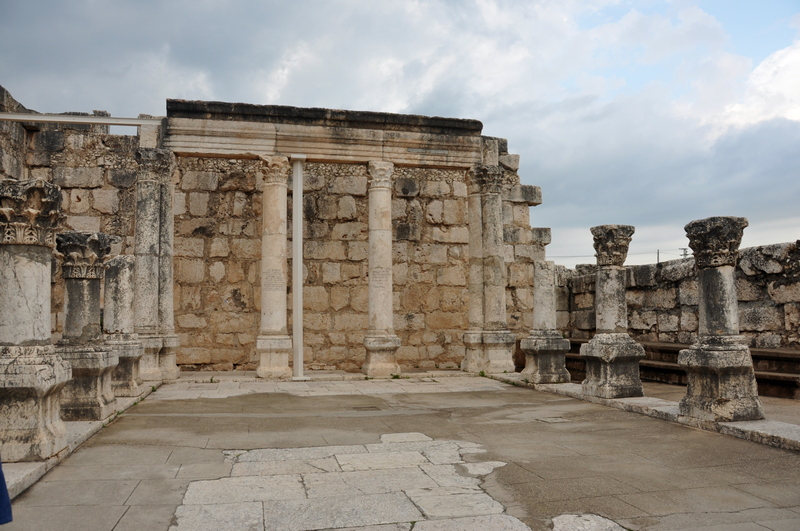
(662, 299)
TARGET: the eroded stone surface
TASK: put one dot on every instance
(384, 486)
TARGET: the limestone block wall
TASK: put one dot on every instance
(217, 250)
(662, 299)
(12, 140)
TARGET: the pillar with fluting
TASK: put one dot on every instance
(153, 164)
(32, 374)
(611, 357)
(273, 344)
(89, 395)
(118, 325)
(545, 348)
(380, 341)
(721, 382)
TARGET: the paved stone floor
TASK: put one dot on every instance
(450, 453)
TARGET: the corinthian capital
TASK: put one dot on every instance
(276, 169)
(715, 241)
(84, 253)
(611, 243)
(30, 212)
(489, 179)
(380, 173)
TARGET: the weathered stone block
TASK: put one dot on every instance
(408, 231)
(315, 250)
(347, 208)
(353, 230)
(219, 248)
(351, 321)
(246, 247)
(200, 180)
(78, 177)
(83, 223)
(348, 185)
(523, 193)
(446, 320)
(668, 322)
(583, 319)
(644, 320)
(451, 234)
(357, 251)
(189, 320)
(189, 247)
(428, 253)
(454, 212)
(688, 321)
(660, 298)
(198, 203)
(122, 177)
(755, 317)
(434, 189)
(583, 301)
(687, 293)
(359, 299)
(406, 187)
(79, 201)
(452, 276)
(642, 275)
(105, 201)
(189, 271)
(783, 293)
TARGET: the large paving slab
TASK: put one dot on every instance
(519, 457)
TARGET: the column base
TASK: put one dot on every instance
(125, 380)
(381, 359)
(612, 366)
(722, 385)
(545, 357)
(31, 380)
(489, 351)
(274, 352)
(168, 357)
(89, 395)
(149, 370)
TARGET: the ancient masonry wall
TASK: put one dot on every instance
(662, 299)
(217, 263)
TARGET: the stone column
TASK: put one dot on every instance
(167, 357)
(31, 373)
(612, 357)
(153, 164)
(722, 385)
(274, 344)
(545, 348)
(495, 353)
(88, 396)
(118, 325)
(381, 342)
(473, 337)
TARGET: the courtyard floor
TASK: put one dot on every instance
(438, 453)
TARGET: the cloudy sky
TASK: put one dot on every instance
(644, 112)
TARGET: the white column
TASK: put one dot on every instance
(473, 338)
(381, 342)
(274, 344)
(297, 266)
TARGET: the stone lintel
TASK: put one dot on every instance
(333, 118)
(715, 241)
(611, 244)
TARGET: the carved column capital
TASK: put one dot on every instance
(30, 212)
(276, 169)
(715, 241)
(84, 253)
(380, 173)
(489, 179)
(155, 164)
(611, 243)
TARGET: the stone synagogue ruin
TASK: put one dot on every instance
(280, 240)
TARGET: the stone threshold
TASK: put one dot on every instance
(20, 476)
(770, 432)
(312, 376)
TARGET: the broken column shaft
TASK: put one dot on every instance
(545, 348)
(88, 396)
(380, 342)
(31, 373)
(721, 382)
(611, 356)
(118, 325)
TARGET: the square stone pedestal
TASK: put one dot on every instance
(125, 380)
(722, 385)
(545, 357)
(168, 357)
(31, 380)
(274, 354)
(149, 369)
(89, 395)
(490, 352)
(612, 366)
(381, 360)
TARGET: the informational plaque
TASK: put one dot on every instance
(273, 280)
